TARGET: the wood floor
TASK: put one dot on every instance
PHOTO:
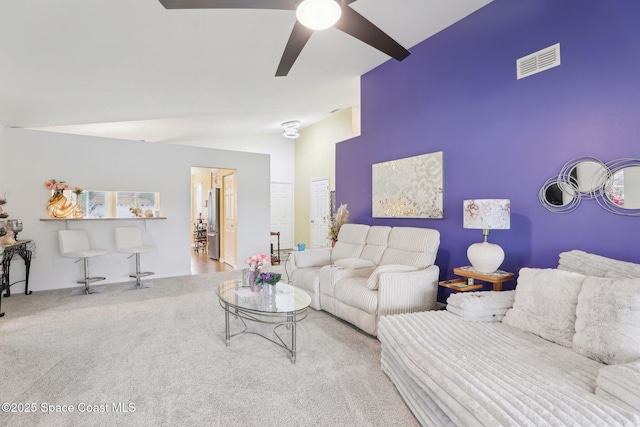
(202, 264)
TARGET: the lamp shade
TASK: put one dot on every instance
(318, 14)
(486, 214)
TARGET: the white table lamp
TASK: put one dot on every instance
(486, 214)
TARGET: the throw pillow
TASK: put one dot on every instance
(372, 282)
(545, 304)
(608, 320)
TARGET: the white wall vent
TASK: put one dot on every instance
(538, 61)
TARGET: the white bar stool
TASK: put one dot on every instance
(129, 240)
(75, 244)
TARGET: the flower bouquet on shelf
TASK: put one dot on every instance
(59, 206)
(78, 210)
(336, 221)
(56, 186)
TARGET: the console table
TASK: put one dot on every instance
(10, 251)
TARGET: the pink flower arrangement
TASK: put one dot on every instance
(54, 185)
(77, 190)
(256, 261)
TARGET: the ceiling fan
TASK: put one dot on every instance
(341, 16)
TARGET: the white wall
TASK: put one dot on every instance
(29, 158)
(315, 157)
(281, 150)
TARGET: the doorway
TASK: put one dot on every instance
(229, 219)
(282, 214)
(212, 210)
(319, 213)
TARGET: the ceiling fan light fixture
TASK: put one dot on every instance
(318, 14)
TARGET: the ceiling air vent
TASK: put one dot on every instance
(538, 61)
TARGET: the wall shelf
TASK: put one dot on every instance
(104, 219)
(66, 220)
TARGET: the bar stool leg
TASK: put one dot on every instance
(88, 279)
(138, 275)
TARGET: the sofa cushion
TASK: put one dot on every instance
(545, 304)
(354, 263)
(312, 258)
(412, 246)
(376, 243)
(490, 374)
(351, 240)
(354, 292)
(620, 384)
(372, 281)
(608, 320)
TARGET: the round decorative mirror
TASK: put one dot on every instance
(621, 192)
(583, 175)
(580, 178)
(555, 199)
(615, 186)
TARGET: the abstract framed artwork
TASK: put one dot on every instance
(409, 188)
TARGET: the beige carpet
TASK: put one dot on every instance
(156, 357)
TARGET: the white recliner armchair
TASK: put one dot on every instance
(405, 280)
(372, 271)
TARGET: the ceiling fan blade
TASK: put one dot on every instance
(229, 4)
(299, 37)
(356, 25)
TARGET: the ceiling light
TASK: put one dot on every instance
(318, 14)
(290, 129)
(291, 134)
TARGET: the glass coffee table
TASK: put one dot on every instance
(284, 309)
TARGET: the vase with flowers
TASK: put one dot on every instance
(59, 206)
(78, 210)
(255, 263)
(336, 221)
(268, 281)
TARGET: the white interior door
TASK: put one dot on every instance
(319, 213)
(229, 183)
(282, 214)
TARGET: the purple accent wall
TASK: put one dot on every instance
(502, 137)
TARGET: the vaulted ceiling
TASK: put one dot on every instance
(135, 70)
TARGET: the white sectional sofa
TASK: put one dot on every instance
(371, 271)
(566, 353)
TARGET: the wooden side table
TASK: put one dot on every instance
(497, 278)
(459, 285)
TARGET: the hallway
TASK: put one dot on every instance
(202, 264)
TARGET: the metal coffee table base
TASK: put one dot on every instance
(287, 320)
